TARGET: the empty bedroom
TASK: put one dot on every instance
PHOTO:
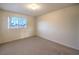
(39, 29)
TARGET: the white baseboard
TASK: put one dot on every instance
(59, 43)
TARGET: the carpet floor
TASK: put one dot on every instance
(35, 46)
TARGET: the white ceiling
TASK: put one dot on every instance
(21, 7)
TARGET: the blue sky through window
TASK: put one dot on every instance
(17, 22)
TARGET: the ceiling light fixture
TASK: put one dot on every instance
(33, 6)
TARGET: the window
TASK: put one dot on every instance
(17, 22)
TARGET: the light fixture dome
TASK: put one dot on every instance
(33, 6)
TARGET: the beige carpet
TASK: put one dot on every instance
(35, 46)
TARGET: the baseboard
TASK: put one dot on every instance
(41, 38)
(59, 43)
(17, 39)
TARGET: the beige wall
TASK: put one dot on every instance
(13, 34)
(60, 26)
